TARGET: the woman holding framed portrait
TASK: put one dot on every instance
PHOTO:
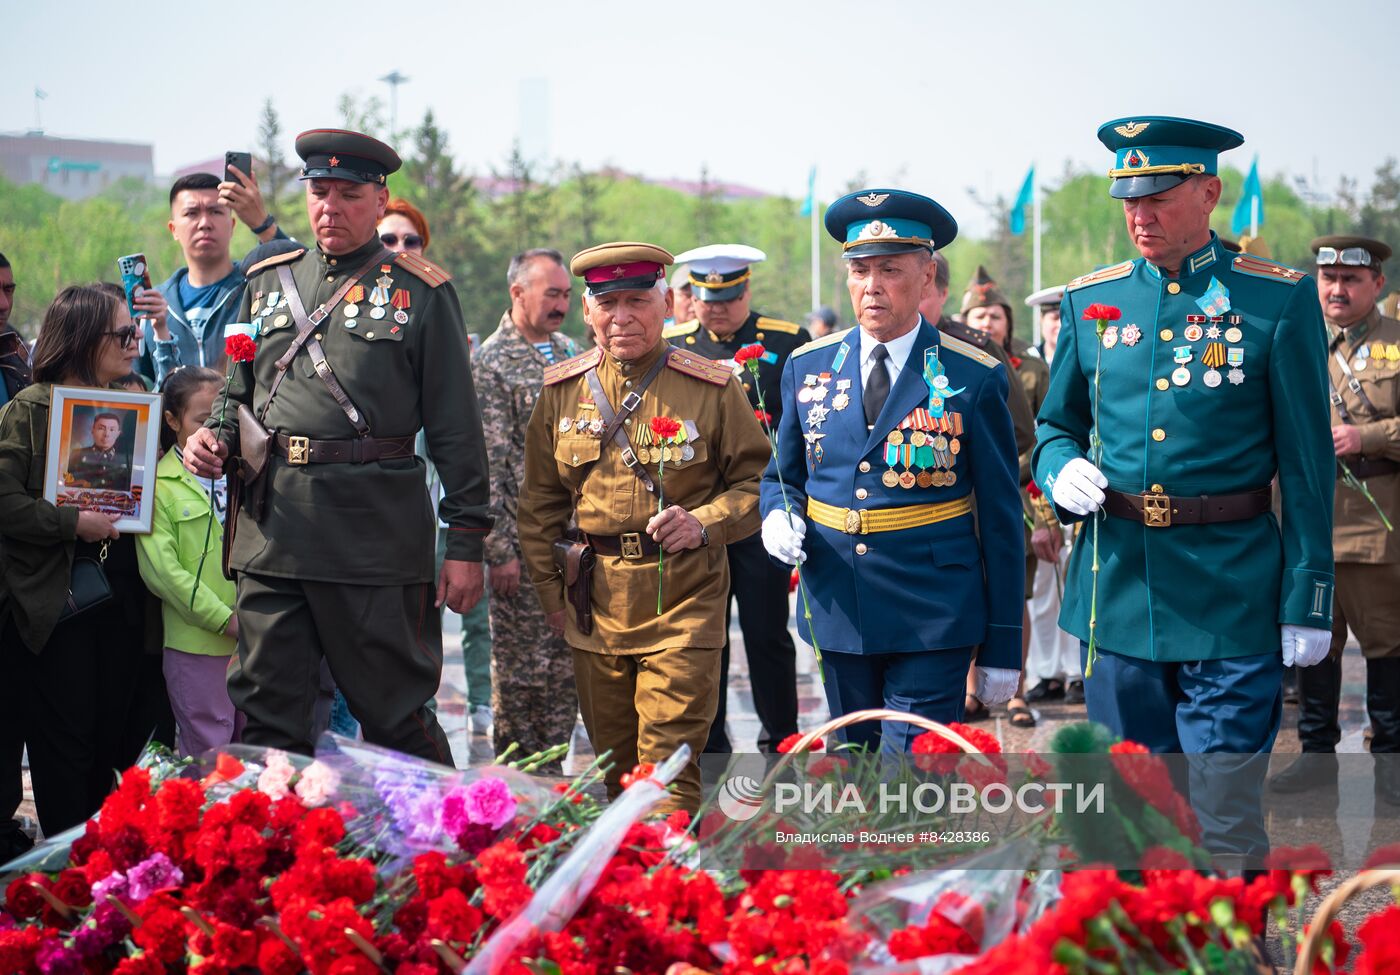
(73, 606)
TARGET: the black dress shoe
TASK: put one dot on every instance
(1046, 690)
(1309, 771)
(1074, 693)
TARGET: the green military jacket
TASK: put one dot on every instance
(368, 524)
(1197, 592)
(37, 539)
(1371, 351)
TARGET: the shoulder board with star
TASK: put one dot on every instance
(698, 367)
(569, 368)
(1112, 273)
(821, 343)
(777, 325)
(953, 344)
(423, 269)
(1260, 268)
(680, 328)
(273, 261)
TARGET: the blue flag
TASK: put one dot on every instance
(1024, 199)
(811, 200)
(1240, 221)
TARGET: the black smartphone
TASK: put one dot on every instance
(242, 160)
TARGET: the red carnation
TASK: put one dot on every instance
(790, 742)
(240, 348)
(664, 428)
(764, 417)
(1033, 489)
(749, 353)
(640, 773)
(1102, 313)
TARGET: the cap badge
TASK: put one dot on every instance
(877, 230)
(873, 199)
(1132, 129)
(619, 271)
(334, 162)
(1135, 159)
(714, 277)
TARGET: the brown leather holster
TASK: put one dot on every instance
(254, 452)
(576, 560)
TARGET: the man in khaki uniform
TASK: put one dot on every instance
(340, 563)
(1364, 370)
(648, 670)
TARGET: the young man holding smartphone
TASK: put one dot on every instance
(203, 296)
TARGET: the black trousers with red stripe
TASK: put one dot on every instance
(383, 645)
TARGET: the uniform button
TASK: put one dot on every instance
(1165, 335)
(759, 336)
(747, 387)
(332, 262)
(862, 494)
(861, 548)
(865, 467)
(1163, 384)
(1157, 489)
(628, 421)
(690, 340)
(1173, 288)
(318, 336)
(330, 277)
(628, 384)
(369, 335)
(1159, 435)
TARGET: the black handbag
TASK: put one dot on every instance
(87, 586)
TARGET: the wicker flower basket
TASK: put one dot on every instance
(1328, 910)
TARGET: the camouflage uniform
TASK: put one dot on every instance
(532, 670)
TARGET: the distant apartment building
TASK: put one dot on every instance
(72, 168)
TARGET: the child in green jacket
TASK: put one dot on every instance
(199, 638)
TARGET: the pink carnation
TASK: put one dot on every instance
(275, 779)
(489, 802)
(317, 784)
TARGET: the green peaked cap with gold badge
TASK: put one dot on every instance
(1153, 153)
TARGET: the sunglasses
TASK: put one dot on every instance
(1350, 256)
(409, 240)
(126, 335)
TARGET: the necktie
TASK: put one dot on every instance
(877, 385)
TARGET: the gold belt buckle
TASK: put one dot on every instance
(1156, 509)
(854, 525)
(298, 451)
(631, 545)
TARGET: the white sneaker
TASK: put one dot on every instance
(481, 719)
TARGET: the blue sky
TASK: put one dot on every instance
(936, 96)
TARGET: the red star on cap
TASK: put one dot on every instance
(334, 161)
(619, 271)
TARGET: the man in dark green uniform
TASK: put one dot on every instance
(725, 323)
(357, 349)
(101, 464)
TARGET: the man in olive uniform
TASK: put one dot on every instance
(1364, 370)
(100, 464)
(1022, 417)
(532, 670)
(647, 668)
(720, 283)
(987, 310)
(357, 349)
(1212, 381)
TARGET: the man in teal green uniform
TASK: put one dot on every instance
(1212, 383)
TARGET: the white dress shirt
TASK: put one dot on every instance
(898, 349)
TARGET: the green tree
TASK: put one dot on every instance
(273, 180)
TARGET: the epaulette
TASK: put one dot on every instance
(423, 269)
(569, 368)
(820, 343)
(273, 261)
(699, 367)
(1112, 273)
(954, 344)
(1261, 268)
(680, 328)
(777, 325)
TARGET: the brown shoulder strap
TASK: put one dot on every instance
(613, 430)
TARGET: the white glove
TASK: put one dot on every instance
(1079, 488)
(783, 535)
(996, 685)
(1304, 646)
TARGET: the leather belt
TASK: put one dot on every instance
(1157, 510)
(633, 546)
(866, 521)
(302, 450)
(1365, 467)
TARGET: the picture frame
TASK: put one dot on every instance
(103, 447)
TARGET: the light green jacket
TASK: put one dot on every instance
(169, 557)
